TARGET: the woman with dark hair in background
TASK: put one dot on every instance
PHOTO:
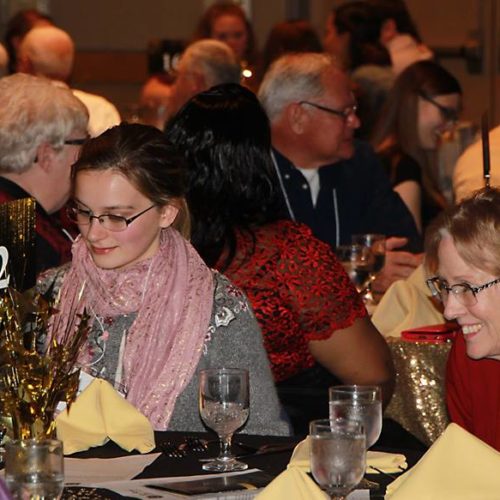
(227, 22)
(158, 313)
(422, 105)
(289, 36)
(353, 38)
(315, 327)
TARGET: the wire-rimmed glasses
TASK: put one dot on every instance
(463, 292)
(112, 222)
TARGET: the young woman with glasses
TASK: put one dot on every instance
(159, 313)
(423, 104)
(465, 244)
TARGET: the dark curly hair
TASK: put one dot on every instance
(226, 138)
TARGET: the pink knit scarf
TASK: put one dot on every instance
(172, 294)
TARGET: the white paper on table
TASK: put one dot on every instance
(86, 471)
(137, 488)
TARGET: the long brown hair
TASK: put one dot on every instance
(398, 123)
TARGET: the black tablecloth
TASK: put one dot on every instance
(166, 466)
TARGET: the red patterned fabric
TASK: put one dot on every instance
(298, 290)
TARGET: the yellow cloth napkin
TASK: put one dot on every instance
(292, 484)
(458, 465)
(406, 304)
(386, 462)
(99, 414)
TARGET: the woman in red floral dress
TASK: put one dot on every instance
(315, 328)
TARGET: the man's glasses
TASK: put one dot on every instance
(463, 292)
(449, 114)
(345, 113)
(109, 221)
(76, 142)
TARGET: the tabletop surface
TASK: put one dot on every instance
(166, 466)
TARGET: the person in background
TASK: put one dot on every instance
(203, 64)
(353, 38)
(289, 36)
(468, 171)
(17, 28)
(328, 180)
(314, 324)
(42, 127)
(228, 23)
(49, 51)
(158, 313)
(424, 103)
(399, 35)
(466, 246)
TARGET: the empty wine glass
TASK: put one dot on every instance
(338, 455)
(375, 243)
(356, 260)
(224, 407)
(362, 403)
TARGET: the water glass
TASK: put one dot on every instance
(358, 402)
(338, 455)
(34, 468)
(224, 407)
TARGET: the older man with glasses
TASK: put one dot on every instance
(328, 180)
(42, 127)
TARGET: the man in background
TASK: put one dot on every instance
(41, 129)
(203, 64)
(49, 51)
(328, 180)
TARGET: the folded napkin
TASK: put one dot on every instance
(293, 483)
(385, 462)
(458, 465)
(406, 304)
(99, 414)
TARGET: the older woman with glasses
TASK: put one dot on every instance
(466, 245)
(158, 313)
(423, 104)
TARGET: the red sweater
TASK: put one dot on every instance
(473, 393)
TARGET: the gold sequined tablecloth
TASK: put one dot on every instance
(418, 403)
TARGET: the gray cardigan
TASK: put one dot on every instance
(234, 340)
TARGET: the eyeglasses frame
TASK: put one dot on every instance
(449, 114)
(128, 220)
(449, 289)
(345, 114)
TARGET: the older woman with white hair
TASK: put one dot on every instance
(466, 244)
(41, 129)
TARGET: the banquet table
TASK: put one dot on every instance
(418, 403)
(188, 465)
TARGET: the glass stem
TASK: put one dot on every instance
(225, 447)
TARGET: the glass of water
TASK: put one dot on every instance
(34, 468)
(338, 455)
(362, 403)
(224, 407)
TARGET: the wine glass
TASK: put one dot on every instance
(375, 243)
(362, 403)
(338, 455)
(224, 407)
(356, 260)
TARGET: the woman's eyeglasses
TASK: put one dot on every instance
(463, 292)
(449, 114)
(109, 221)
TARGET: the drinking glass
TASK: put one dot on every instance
(34, 468)
(224, 407)
(356, 260)
(338, 455)
(375, 243)
(362, 403)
